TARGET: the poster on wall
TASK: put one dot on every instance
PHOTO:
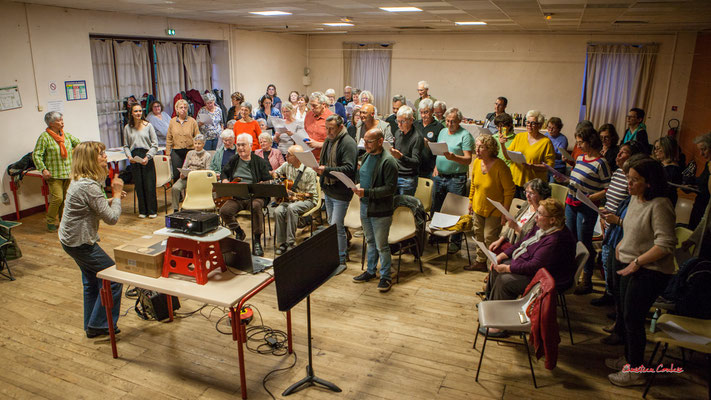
(76, 90)
(10, 98)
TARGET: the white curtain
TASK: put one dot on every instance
(102, 60)
(198, 66)
(618, 77)
(132, 68)
(367, 67)
(171, 80)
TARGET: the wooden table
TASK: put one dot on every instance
(222, 289)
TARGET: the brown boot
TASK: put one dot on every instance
(585, 284)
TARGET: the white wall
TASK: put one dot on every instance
(534, 71)
(60, 47)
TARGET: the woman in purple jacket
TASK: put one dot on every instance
(549, 245)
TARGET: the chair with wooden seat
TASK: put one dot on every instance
(198, 191)
(454, 204)
(402, 229)
(694, 326)
(581, 258)
(508, 315)
(424, 193)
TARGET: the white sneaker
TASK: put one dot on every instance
(153, 216)
(141, 216)
(627, 378)
(615, 363)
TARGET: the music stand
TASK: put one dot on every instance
(296, 279)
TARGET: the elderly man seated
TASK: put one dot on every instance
(302, 197)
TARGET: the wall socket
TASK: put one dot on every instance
(5, 198)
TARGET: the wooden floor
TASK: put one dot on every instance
(414, 342)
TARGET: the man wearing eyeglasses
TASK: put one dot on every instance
(499, 108)
(249, 170)
(636, 129)
(407, 147)
(378, 183)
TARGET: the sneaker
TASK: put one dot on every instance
(616, 363)
(257, 249)
(364, 277)
(239, 234)
(141, 216)
(453, 248)
(153, 216)
(384, 285)
(610, 328)
(605, 300)
(341, 267)
(96, 332)
(627, 378)
(52, 227)
(281, 249)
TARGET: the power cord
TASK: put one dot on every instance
(268, 375)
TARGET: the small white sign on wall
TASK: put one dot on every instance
(55, 105)
(53, 87)
(10, 98)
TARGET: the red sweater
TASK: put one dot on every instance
(544, 320)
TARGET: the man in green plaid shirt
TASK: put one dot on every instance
(53, 157)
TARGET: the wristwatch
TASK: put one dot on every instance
(636, 261)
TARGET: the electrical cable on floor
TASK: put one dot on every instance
(268, 375)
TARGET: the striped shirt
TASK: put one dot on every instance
(588, 175)
(617, 191)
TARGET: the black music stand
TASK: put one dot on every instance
(296, 279)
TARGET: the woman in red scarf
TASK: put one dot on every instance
(53, 157)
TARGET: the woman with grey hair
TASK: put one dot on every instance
(248, 125)
(703, 145)
(273, 156)
(210, 121)
(440, 108)
(197, 159)
(53, 157)
(284, 140)
(536, 190)
(333, 105)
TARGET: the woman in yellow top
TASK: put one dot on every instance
(537, 149)
(491, 178)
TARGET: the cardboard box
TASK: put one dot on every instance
(142, 256)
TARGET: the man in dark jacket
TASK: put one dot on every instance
(338, 154)
(248, 169)
(378, 183)
(407, 147)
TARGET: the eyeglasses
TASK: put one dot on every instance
(530, 193)
(531, 123)
(242, 144)
(371, 141)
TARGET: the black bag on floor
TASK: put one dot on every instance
(153, 305)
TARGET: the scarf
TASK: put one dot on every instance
(629, 135)
(533, 239)
(60, 141)
(332, 155)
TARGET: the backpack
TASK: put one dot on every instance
(152, 305)
(20, 168)
(694, 292)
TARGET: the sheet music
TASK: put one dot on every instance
(516, 156)
(565, 154)
(205, 119)
(302, 139)
(504, 211)
(489, 254)
(279, 124)
(307, 158)
(345, 179)
(184, 171)
(438, 149)
(440, 220)
(684, 187)
(137, 159)
(586, 200)
(557, 173)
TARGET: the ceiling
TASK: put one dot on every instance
(567, 16)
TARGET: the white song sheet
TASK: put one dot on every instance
(438, 149)
(504, 211)
(489, 254)
(307, 158)
(440, 220)
(565, 154)
(516, 156)
(586, 200)
(344, 178)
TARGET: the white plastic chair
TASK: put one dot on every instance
(352, 221)
(454, 204)
(683, 210)
(424, 193)
(508, 315)
(581, 258)
(559, 192)
(403, 228)
(164, 178)
(198, 191)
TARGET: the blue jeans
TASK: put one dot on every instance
(376, 231)
(407, 185)
(92, 259)
(336, 212)
(211, 144)
(456, 184)
(581, 221)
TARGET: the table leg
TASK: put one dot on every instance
(107, 301)
(288, 331)
(237, 335)
(169, 300)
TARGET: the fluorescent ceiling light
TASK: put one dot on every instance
(270, 13)
(338, 24)
(470, 23)
(400, 9)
